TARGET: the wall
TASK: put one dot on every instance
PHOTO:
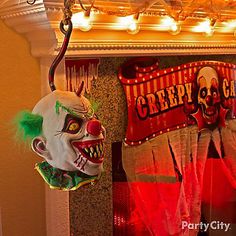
(91, 207)
(22, 189)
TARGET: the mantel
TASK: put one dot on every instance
(39, 23)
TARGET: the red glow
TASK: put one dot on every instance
(159, 208)
(217, 189)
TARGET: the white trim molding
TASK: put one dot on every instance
(39, 23)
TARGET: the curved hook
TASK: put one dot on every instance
(61, 53)
(31, 2)
(80, 89)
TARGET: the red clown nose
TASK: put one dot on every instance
(94, 127)
(209, 100)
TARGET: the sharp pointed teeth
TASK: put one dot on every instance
(86, 150)
(101, 147)
(97, 148)
(99, 154)
(91, 154)
(95, 155)
(91, 149)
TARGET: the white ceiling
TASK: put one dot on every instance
(40, 24)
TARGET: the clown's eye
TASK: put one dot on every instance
(203, 93)
(214, 92)
(72, 124)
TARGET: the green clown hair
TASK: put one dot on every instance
(28, 125)
(95, 105)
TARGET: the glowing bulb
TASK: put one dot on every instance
(171, 25)
(86, 24)
(206, 27)
(129, 23)
(175, 28)
(209, 31)
(228, 26)
(133, 28)
(166, 22)
(82, 21)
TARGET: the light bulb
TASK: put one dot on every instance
(85, 24)
(82, 21)
(133, 28)
(206, 27)
(131, 23)
(209, 31)
(174, 28)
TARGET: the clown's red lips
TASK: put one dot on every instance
(210, 111)
(92, 150)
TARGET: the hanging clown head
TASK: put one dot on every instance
(208, 94)
(68, 135)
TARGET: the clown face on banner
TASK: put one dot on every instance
(208, 94)
(65, 131)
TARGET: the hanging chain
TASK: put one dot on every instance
(67, 11)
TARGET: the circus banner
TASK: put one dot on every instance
(162, 100)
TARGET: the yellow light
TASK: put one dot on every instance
(133, 28)
(204, 27)
(82, 21)
(166, 22)
(228, 26)
(129, 23)
(169, 24)
(175, 28)
(124, 22)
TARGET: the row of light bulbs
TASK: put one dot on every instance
(83, 21)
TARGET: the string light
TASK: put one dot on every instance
(82, 20)
(169, 24)
(133, 26)
(228, 26)
(175, 28)
(129, 23)
(207, 27)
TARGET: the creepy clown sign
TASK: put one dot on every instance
(160, 101)
(181, 122)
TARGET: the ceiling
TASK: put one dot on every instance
(108, 35)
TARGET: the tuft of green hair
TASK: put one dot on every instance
(95, 105)
(28, 125)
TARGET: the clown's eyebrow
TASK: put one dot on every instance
(89, 112)
(67, 109)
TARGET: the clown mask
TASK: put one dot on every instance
(70, 139)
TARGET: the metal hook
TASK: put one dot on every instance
(61, 53)
(31, 2)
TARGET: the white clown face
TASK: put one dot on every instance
(208, 94)
(72, 137)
